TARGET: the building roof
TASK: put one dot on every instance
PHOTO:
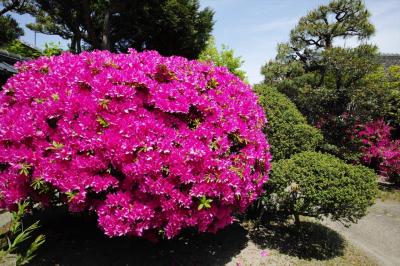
(7, 61)
(388, 60)
(29, 46)
(7, 68)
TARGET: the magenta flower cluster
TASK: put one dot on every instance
(379, 149)
(151, 144)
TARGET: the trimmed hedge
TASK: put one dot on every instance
(316, 185)
(287, 129)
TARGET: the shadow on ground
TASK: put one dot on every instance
(76, 240)
(312, 241)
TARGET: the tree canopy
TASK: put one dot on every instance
(9, 28)
(224, 57)
(322, 77)
(321, 27)
(172, 27)
(18, 6)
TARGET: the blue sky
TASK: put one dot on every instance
(254, 27)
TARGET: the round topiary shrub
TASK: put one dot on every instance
(151, 144)
(288, 131)
(316, 185)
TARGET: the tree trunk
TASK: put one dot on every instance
(105, 38)
(296, 220)
(328, 43)
(78, 45)
(94, 41)
(73, 44)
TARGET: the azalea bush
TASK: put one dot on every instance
(151, 144)
(379, 149)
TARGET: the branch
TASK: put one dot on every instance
(302, 57)
(15, 5)
(339, 17)
(312, 42)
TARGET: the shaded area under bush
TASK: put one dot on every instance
(310, 241)
(76, 240)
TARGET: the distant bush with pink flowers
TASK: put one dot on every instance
(379, 149)
(151, 144)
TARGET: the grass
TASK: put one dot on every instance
(389, 194)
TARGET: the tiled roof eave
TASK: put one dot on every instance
(7, 67)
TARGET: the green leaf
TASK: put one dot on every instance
(102, 122)
(104, 103)
(39, 100)
(204, 203)
(207, 178)
(214, 145)
(194, 123)
(237, 170)
(55, 97)
(55, 146)
(38, 183)
(24, 235)
(212, 84)
(71, 195)
(30, 254)
(25, 168)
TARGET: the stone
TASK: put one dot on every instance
(5, 222)
(9, 260)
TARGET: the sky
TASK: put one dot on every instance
(253, 28)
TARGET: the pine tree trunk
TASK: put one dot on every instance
(296, 219)
(105, 39)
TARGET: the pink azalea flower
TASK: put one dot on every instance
(379, 147)
(151, 144)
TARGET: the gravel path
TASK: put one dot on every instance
(377, 234)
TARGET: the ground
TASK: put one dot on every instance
(378, 234)
(75, 240)
(374, 240)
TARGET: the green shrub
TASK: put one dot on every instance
(287, 129)
(17, 238)
(316, 185)
(19, 48)
(52, 48)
